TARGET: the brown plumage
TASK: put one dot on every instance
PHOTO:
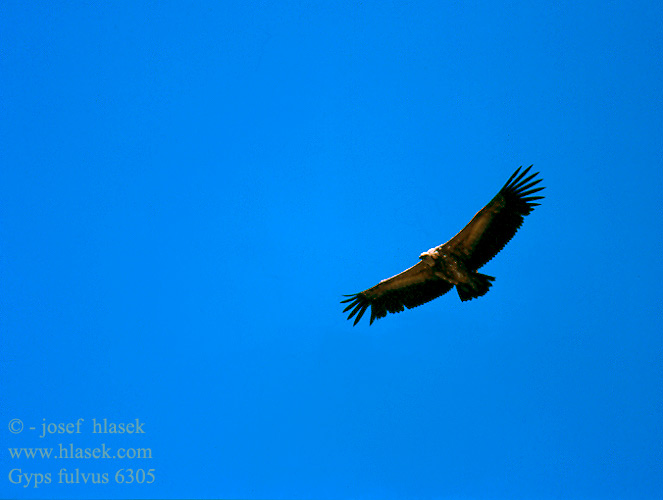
(455, 262)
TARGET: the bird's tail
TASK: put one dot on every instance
(476, 288)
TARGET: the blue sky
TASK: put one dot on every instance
(188, 188)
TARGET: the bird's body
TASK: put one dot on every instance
(454, 263)
(445, 266)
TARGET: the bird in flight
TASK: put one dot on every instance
(455, 262)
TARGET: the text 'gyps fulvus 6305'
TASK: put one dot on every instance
(456, 261)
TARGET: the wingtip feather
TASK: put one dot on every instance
(512, 176)
(347, 308)
(361, 313)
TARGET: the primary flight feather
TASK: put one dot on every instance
(455, 262)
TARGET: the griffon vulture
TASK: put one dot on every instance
(456, 261)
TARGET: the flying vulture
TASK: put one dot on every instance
(456, 261)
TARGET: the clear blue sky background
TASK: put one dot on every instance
(187, 188)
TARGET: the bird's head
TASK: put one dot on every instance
(431, 252)
(429, 256)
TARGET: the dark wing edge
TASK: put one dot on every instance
(394, 300)
(497, 223)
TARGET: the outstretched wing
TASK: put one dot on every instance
(496, 223)
(411, 288)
